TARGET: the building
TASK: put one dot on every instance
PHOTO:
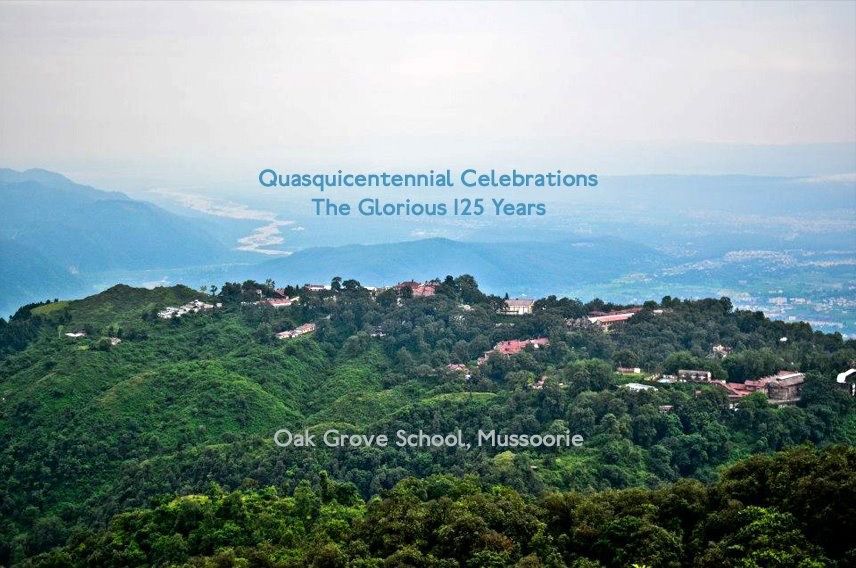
(75, 334)
(638, 387)
(606, 320)
(281, 302)
(459, 369)
(581, 324)
(316, 287)
(424, 291)
(786, 390)
(297, 331)
(517, 307)
(721, 351)
(513, 347)
(694, 376)
(847, 381)
(628, 370)
(193, 307)
(734, 391)
(418, 290)
(783, 388)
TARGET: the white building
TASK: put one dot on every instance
(297, 331)
(638, 387)
(193, 307)
(518, 307)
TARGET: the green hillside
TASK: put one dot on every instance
(798, 513)
(90, 429)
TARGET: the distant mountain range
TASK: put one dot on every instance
(83, 229)
(517, 267)
(749, 238)
(56, 232)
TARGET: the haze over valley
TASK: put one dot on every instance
(786, 246)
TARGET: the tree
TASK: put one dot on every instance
(307, 504)
(758, 537)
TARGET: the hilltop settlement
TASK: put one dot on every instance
(168, 400)
(782, 387)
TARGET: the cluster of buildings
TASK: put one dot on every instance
(297, 331)
(504, 348)
(193, 307)
(513, 347)
(512, 307)
(783, 388)
(419, 289)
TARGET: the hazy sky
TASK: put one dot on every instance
(195, 91)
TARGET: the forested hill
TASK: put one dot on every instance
(109, 407)
(795, 509)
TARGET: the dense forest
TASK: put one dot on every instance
(796, 509)
(140, 440)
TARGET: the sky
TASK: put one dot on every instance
(206, 95)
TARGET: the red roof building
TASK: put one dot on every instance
(513, 347)
(785, 387)
(419, 290)
(607, 319)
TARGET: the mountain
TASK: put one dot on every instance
(85, 229)
(27, 274)
(56, 234)
(91, 428)
(532, 268)
(54, 180)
